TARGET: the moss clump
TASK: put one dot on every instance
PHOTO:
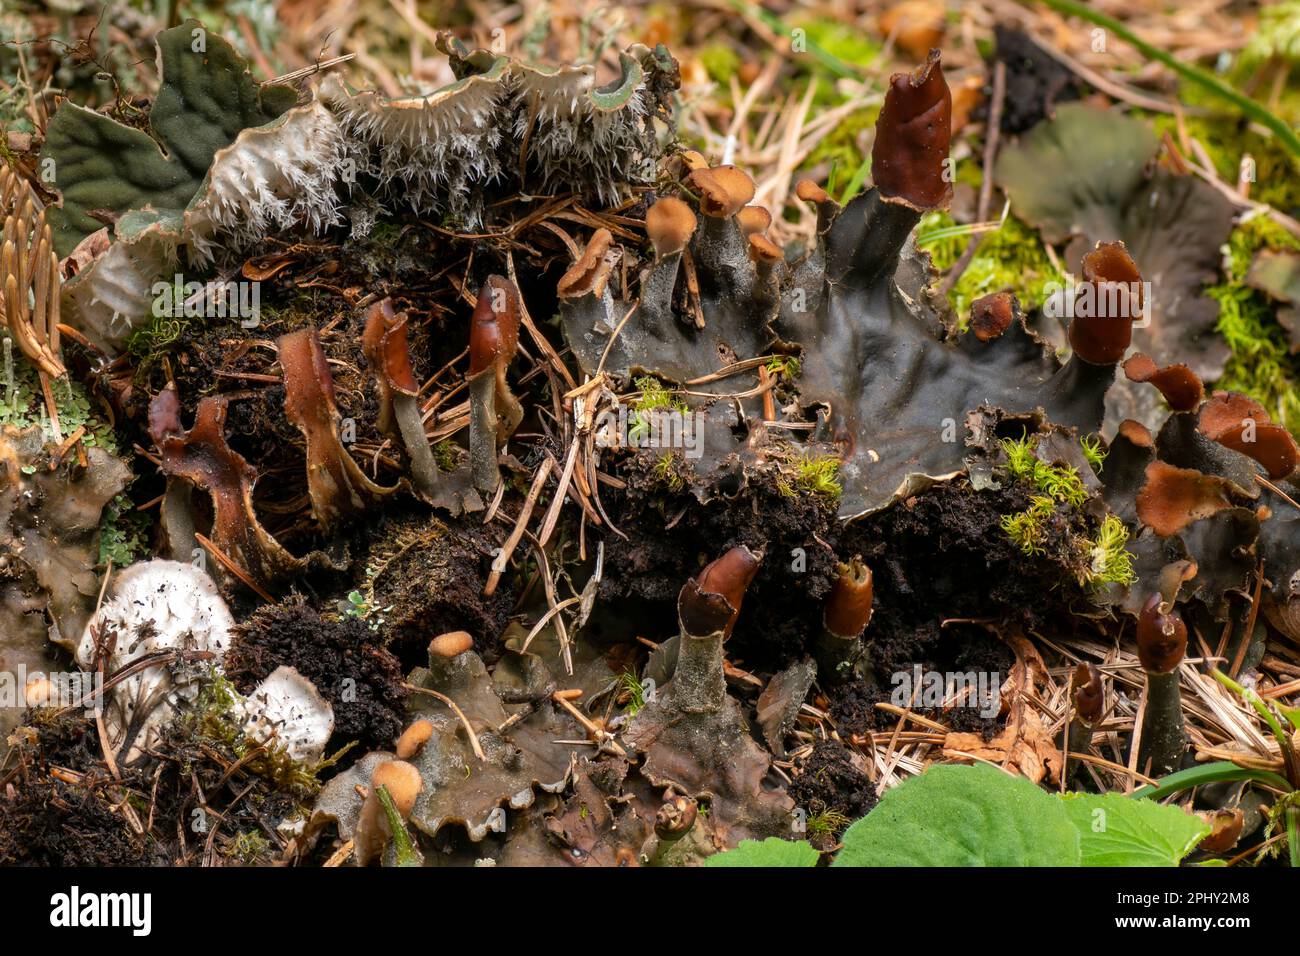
(1059, 482)
(812, 474)
(720, 61)
(1109, 560)
(22, 404)
(149, 343)
(824, 38)
(1094, 451)
(1028, 529)
(668, 472)
(1261, 365)
(634, 692)
(123, 533)
(1227, 139)
(1100, 558)
(1011, 257)
(652, 396)
(213, 718)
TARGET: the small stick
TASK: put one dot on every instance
(503, 557)
(229, 564)
(469, 729)
(601, 735)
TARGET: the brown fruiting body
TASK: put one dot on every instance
(449, 645)
(669, 223)
(848, 609)
(723, 190)
(1089, 693)
(913, 134)
(753, 219)
(1180, 386)
(992, 315)
(1161, 636)
(590, 272)
(712, 601)
(494, 411)
(372, 833)
(413, 739)
(1242, 425)
(1113, 284)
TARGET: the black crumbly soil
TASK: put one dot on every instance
(944, 555)
(51, 823)
(828, 780)
(671, 536)
(428, 578)
(343, 658)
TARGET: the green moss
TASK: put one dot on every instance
(1109, 561)
(846, 42)
(154, 339)
(631, 684)
(1227, 139)
(249, 847)
(123, 534)
(842, 149)
(213, 717)
(720, 61)
(1099, 560)
(785, 367)
(1261, 365)
(826, 823)
(812, 474)
(22, 404)
(446, 455)
(1094, 451)
(1059, 482)
(652, 396)
(1011, 257)
(668, 472)
(1276, 36)
(1026, 528)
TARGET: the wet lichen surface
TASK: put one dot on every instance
(489, 466)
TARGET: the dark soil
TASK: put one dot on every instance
(428, 578)
(828, 780)
(52, 823)
(783, 604)
(343, 658)
(944, 555)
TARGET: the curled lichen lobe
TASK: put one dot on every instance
(913, 134)
(494, 328)
(711, 602)
(1161, 636)
(1109, 300)
(848, 609)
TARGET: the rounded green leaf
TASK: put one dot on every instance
(1115, 830)
(963, 816)
(770, 852)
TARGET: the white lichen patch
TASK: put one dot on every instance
(156, 607)
(287, 710)
(274, 177)
(173, 609)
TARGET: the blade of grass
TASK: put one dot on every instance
(1218, 772)
(774, 23)
(855, 184)
(1193, 74)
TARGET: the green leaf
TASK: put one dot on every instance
(963, 816)
(1219, 772)
(770, 852)
(205, 99)
(1115, 830)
